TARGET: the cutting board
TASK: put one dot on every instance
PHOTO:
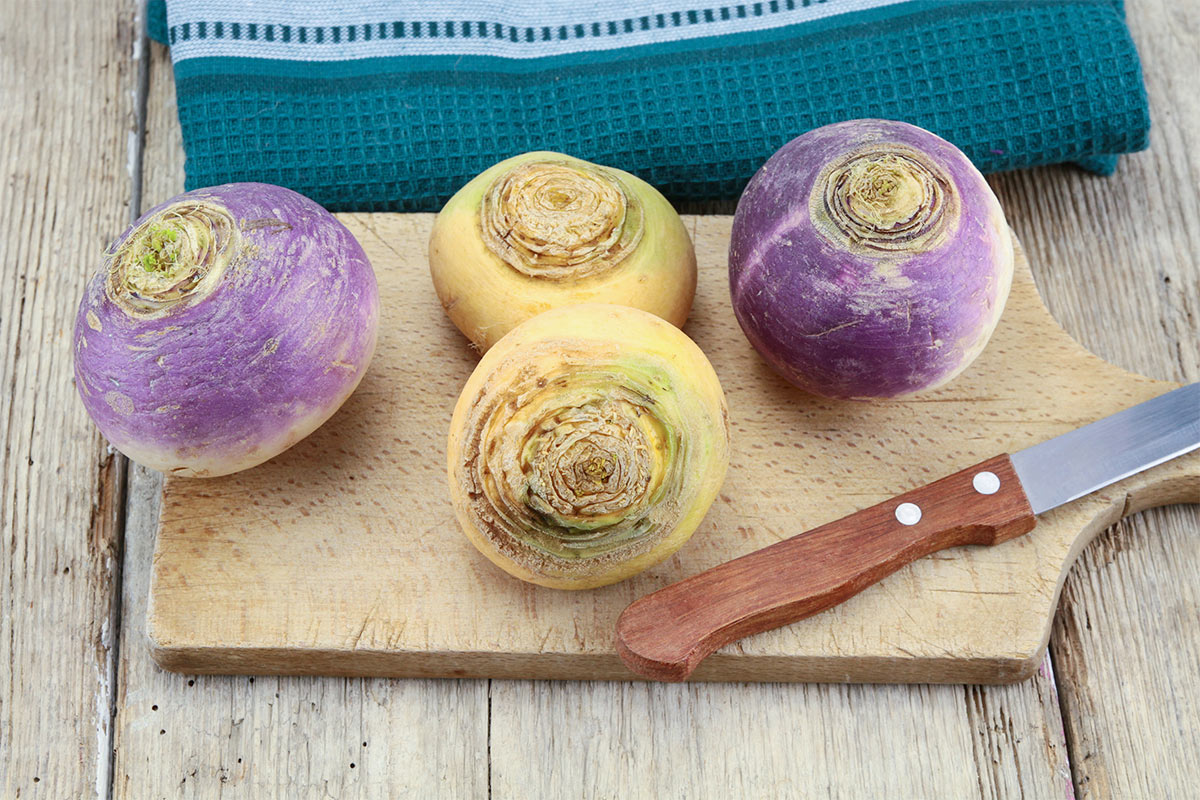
(342, 556)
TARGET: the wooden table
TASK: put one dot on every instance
(88, 137)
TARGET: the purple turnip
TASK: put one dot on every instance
(224, 326)
(869, 259)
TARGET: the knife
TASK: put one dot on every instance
(665, 635)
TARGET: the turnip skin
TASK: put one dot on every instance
(560, 392)
(487, 291)
(256, 358)
(846, 319)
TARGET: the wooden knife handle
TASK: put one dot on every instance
(664, 635)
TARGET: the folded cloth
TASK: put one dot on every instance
(369, 105)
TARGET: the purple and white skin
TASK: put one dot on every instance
(869, 259)
(223, 327)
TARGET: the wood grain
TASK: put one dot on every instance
(1128, 660)
(610, 740)
(1125, 641)
(390, 586)
(1122, 279)
(1009, 738)
(206, 736)
(1116, 242)
(664, 635)
(1116, 259)
(238, 737)
(67, 84)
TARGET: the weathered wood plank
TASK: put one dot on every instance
(1020, 747)
(67, 79)
(1105, 251)
(1119, 270)
(1128, 655)
(605, 740)
(205, 736)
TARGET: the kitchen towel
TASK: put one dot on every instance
(368, 105)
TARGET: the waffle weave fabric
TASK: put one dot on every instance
(372, 106)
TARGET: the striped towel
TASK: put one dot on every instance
(371, 105)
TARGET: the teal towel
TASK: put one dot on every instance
(366, 105)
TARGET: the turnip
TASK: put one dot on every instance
(543, 230)
(587, 445)
(224, 326)
(869, 259)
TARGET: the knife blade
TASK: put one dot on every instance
(1081, 461)
(664, 635)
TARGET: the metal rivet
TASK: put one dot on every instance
(986, 482)
(908, 513)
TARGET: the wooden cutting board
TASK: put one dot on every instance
(343, 557)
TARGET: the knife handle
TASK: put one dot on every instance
(664, 635)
